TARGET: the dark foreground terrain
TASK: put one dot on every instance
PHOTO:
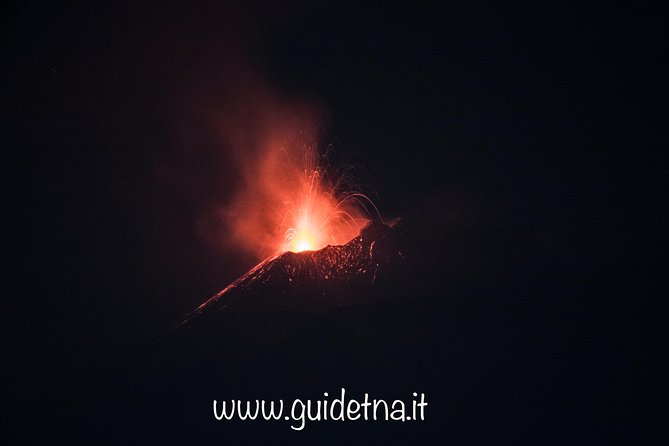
(502, 349)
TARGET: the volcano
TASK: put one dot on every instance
(272, 300)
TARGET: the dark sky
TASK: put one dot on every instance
(527, 120)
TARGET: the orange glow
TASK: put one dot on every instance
(317, 217)
(289, 202)
(281, 194)
(302, 245)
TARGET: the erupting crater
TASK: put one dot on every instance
(292, 287)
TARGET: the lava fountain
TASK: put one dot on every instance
(322, 213)
(275, 188)
(298, 203)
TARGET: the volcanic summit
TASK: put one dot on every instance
(273, 299)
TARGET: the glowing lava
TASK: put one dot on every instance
(285, 195)
(321, 214)
(303, 245)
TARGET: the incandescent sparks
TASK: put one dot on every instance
(291, 200)
(322, 212)
(284, 194)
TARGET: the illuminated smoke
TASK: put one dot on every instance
(287, 196)
(249, 166)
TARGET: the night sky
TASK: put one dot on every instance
(523, 137)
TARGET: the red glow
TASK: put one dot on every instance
(288, 198)
(316, 217)
(281, 194)
(293, 206)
